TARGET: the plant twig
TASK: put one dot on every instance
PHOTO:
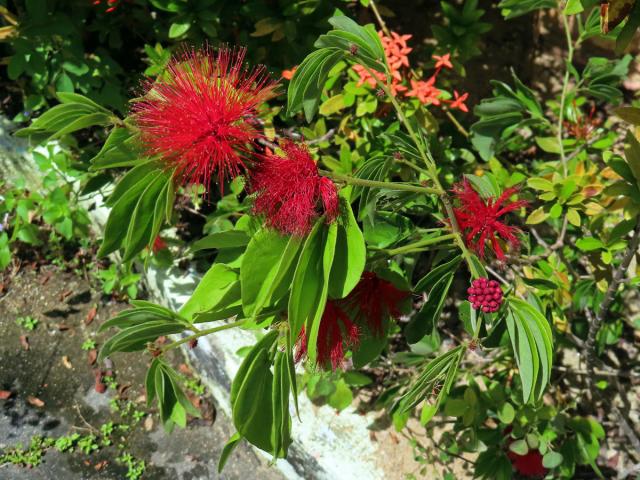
(202, 333)
(596, 323)
(327, 136)
(376, 184)
(563, 96)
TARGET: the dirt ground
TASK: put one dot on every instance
(52, 391)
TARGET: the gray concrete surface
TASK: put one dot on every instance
(71, 401)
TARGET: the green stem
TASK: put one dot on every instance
(202, 333)
(429, 161)
(421, 243)
(457, 124)
(412, 166)
(563, 96)
(476, 332)
(375, 184)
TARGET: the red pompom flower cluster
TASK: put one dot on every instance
(197, 116)
(485, 295)
(480, 221)
(528, 465)
(290, 192)
(368, 305)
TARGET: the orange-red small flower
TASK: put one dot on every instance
(197, 117)
(443, 61)
(288, 74)
(480, 221)
(425, 91)
(396, 51)
(291, 193)
(459, 100)
(111, 5)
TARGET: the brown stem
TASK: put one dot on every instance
(596, 323)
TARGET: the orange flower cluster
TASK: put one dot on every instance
(397, 51)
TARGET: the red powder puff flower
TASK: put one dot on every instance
(529, 465)
(290, 192)
(196, 117)
(373, 299)
(336, 332)
(480, 220)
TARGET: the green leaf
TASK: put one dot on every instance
(228, 239)
(539, 183)
(425, 321)
(306, 85)
(342, 397)
(632, 155)
(308, 283)
(69, 97)
(573, 7)
(629, 29)
(588, 244)
(388, 229)
(56, 118)
(537, 216)
(119, 150)
(281, 428)
(357, 379)
(332, 105)
(573, 217)
(365, 37)
(532, 342)
(455, 407)
(228, 449)
(552, 460)
(291, 369)
(350, 256)
(516, 8)
(312, 322)
(439, 374)
(267, 268)
(150, 382)
(507, 413)
(253, 409)
(137, 178)
(368, 349)
(628, 114)
(142, 220)
(211, 289)
(426, 283)
(265, 343)
(519, 446)
(136, 337)
(548, 144)
(179, 28)
(541, 283)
